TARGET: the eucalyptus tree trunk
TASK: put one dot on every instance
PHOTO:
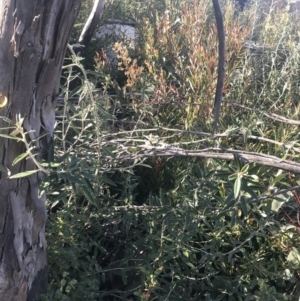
(33, 39)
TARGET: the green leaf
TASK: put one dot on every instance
(23, 174)
(71, 178)
(62, 158)
(90, 196)
(19, 158)
(145, 271)
(278, 178)
(276, 205)
(51, 164)
(294, 256)
(54, 204)
(244, 206)
(237, 187)
(237, 162)
(124, 278)
(233, 216)
(63, 282)
(74, 162)
(108, 181)
(232, 177)
(249, 190)
(245, 169)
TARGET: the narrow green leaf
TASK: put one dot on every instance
(19, 158)
(124, 278)
(278, 178)
(249, 189)
(23, 174)
(245, 169)
(244, 206)
(74, 162)
(237, 162)
(89, 195)
(54, 204)
(233, 216)
(232, 177)
(237, 187)
(71, 178)
(62, 158)
(108, 181)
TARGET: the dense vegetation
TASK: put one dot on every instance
(136, 210)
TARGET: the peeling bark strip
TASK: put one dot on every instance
(221, 62)
(33, 39)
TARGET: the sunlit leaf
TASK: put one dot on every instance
(19, 158)
(276, 205)
(237, 187)
(294, 256)
(245, 169)
(24, 174)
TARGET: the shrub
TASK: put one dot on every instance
(133, 213)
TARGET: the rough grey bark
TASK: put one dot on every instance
(33, 39)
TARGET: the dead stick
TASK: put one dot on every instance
(221, 63)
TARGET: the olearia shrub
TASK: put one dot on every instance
(128, 224)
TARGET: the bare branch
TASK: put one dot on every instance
(92, 23)
(214, 153)
(221, 62)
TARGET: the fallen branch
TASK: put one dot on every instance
(207, 135)
(213, 153)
